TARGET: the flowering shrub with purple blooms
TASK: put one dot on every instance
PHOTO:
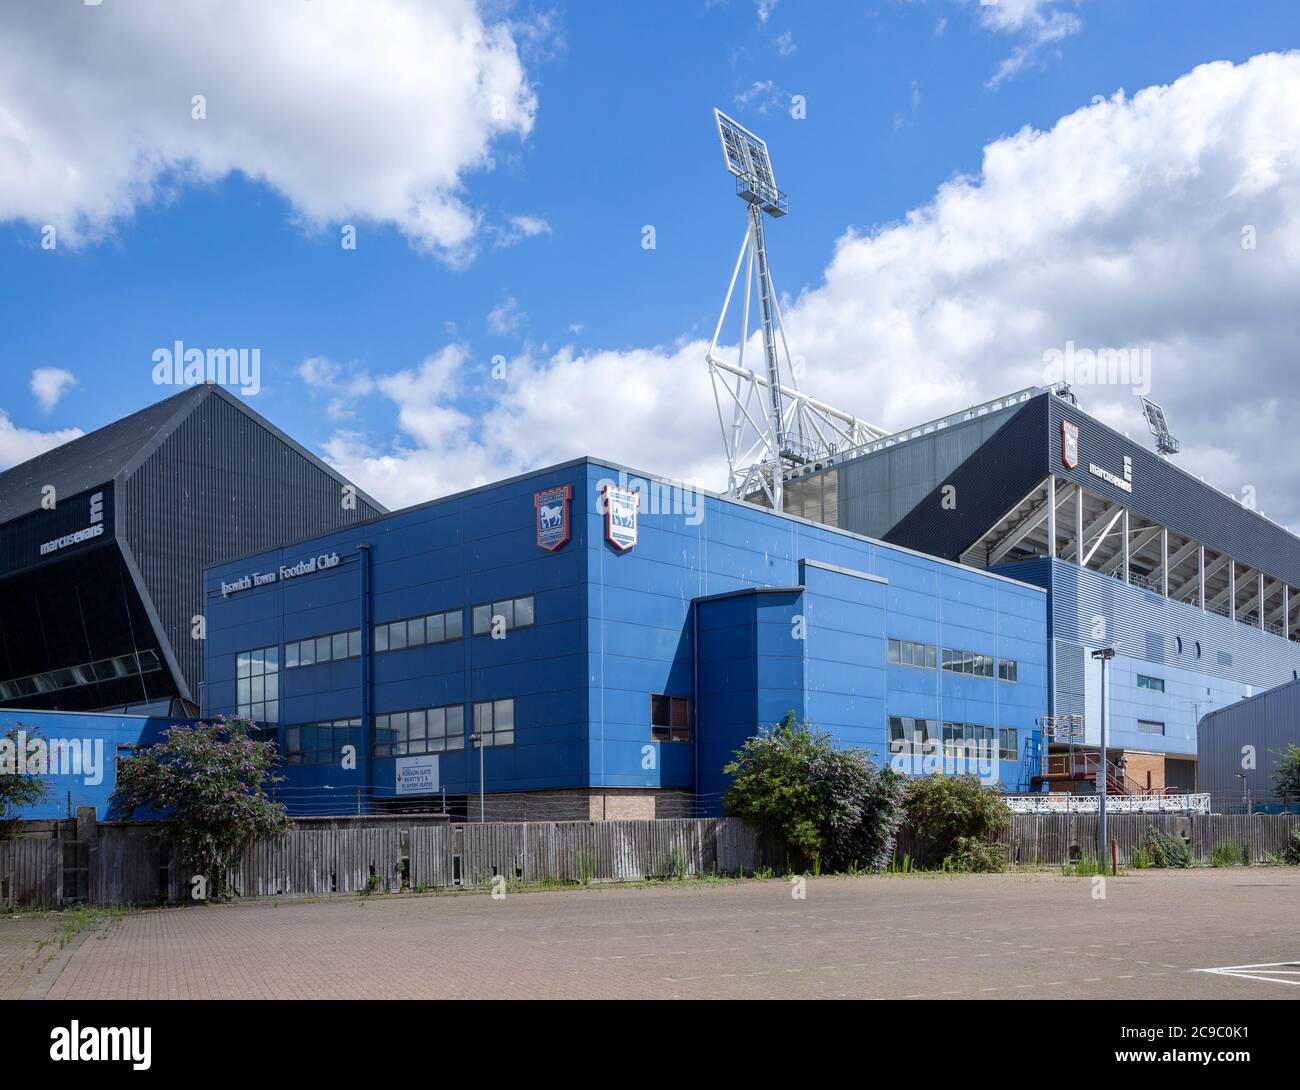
(210, 779)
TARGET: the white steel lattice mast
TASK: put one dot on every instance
(775, 428)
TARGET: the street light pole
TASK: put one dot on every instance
(1105, 654)
(477, 739)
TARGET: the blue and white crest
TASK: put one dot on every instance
(552, 509)
(620, 517)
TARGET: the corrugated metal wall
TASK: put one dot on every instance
(995, 477)
(1150, 625)
(1254, 732)
(878, 490)
(220, 487)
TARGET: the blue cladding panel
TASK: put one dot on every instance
(615, 627)
(97, 739)
(1206, 661)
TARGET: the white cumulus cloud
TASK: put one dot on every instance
(1130, 223)
(48, 385)
(371, 112)
(21, 444)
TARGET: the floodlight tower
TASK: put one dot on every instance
(774, 427)
(1166, 444)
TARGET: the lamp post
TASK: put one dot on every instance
(1245, 791)
(1105, 654)
(477, 739)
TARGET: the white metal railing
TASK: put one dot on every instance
(1115, 804)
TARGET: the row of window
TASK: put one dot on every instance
(430, 628)
(418, 631)
(425, 730)
(89, 673)
(925, 656)
(505, 616)
(335, 647)
(321, 743)
(907, 653)
(920, 736)
(974, 664)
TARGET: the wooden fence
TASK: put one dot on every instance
(1052, 839)
(135, 864)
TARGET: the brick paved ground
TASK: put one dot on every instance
(1025, 936)
(29, 951)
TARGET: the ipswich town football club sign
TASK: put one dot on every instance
(1069, 444)
(552, 508)
(620, 517)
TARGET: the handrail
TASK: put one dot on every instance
(1198, 803)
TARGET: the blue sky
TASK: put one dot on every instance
(233, 241)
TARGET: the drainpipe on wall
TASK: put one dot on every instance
(695, 705)
(366, 763)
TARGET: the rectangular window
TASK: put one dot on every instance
(514, 613)
(257, 685)
(417, 631)
(907, 653)
(1008, 743)
(1008, 670)
(494, 722)
(971, 663)
(911, 735)
(1155, 684)
(315, 650)
(1145, 726)
(670, 718)
(424, 730)
(320, 743)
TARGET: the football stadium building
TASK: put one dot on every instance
(1198, 594)
(590, 641)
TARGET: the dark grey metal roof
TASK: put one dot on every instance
(102, 455)
(92, 459)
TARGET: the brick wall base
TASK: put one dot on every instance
(583, 804)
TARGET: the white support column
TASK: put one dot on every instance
(1200, 574)
(1164, 561)
(1286, 610)
(1260, 592)
(1128, 573)
(1232, 589)
(1051, 517)
(1078, 525)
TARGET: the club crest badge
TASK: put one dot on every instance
(552, 509)
(620, 517)
(1069, 444)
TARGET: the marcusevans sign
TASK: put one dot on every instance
(311, 564)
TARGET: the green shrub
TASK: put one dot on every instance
(1084, 866)
(1142, 858)
(1286, 777)
(1290, 854)
(950, 813)
(832, 808)
(975, 856)
(1168, 851)
(1227, 853)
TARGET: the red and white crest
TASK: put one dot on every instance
(1069, 444)
(552, 510)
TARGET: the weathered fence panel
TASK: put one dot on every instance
(134, 864)
(31, 874)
